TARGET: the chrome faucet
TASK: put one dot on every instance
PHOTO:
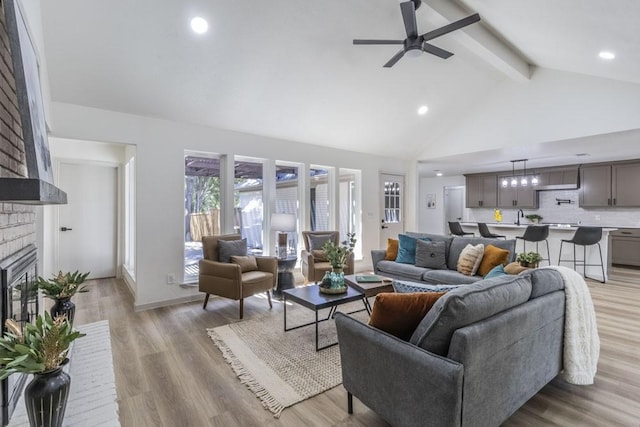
(520, 215)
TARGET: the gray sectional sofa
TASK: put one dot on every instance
(479, 354)
(453, 246)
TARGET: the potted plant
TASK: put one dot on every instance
(61, 288)
(529, 259)
(337, 255)
(534, 218)
(40, 350)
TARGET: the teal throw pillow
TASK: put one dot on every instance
(407, 249)
(496, 271)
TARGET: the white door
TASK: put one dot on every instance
(453, 205)
(392, 202)
(87, 223)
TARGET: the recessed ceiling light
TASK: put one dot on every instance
(199, 25)
(606, 55)
(438, 173)
(423, 110)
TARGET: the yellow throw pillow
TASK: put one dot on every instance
(515, 268)
(493, 256)
(470, 258)
(400, 314)
(246, 263)
(392, 250)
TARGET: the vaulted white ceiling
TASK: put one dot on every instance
(288, 68)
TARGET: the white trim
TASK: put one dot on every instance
(168, 302)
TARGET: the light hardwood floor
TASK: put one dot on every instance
(169, 373)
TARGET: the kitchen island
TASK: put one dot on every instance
(557, 232)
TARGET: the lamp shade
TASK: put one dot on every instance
(283, 222)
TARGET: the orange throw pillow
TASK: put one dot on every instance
(493, 256)
(400, 314)
(392, 250)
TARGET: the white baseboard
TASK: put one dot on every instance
(165, 303)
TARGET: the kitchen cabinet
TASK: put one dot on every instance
(518, 197)
(481, 191)
(610, 185)
(625, 247)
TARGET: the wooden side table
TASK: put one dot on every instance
(285, 275)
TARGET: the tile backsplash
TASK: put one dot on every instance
(571, 212)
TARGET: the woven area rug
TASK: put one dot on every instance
(283, 368)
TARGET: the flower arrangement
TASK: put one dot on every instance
(529, 259)
(339, 254)
(63, 285)
(42, 347)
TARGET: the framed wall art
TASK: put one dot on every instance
(28, 89)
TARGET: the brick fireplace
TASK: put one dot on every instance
(17, 222)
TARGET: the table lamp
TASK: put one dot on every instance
(282, 223)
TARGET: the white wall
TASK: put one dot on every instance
(432, 220)
(160, 146)
(552, 106)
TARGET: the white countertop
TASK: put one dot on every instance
(525, 225)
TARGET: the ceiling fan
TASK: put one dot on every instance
(420, 42)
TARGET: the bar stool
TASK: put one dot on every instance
(456, 228)
(584, 236)
(535, 233)
(484, 232)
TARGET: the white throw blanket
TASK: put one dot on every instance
(581, 341)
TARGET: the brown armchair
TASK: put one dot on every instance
(313, 268)
(227, 279)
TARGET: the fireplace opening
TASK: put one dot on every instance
(19, 301)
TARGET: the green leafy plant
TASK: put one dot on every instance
(64, 285)
(41, 348)
(534, 217)
(529, 257)
(339, 254)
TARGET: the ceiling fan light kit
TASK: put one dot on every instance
(415, 44)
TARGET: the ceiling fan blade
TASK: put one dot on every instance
(435, 50)
(395, 59)
(409, 18)
(451, 27)
(378, 41)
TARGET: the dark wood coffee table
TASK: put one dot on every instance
(369, 289)
(311, 298)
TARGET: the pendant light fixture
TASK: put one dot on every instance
(523, 180)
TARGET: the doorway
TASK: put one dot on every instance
(453, 205)
(87, 224)
(392, 203)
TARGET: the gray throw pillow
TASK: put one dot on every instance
(403, 287)
(431, 254)
(229, 248)
(317, 241)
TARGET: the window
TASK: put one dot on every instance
(130, 217)
(287, 198)
(350, 217)
(248, 212)
(319, 198)
(202, 207)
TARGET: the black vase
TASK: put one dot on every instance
(46, 398)
(64, 306)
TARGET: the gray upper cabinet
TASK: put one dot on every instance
(625, 184)
(481, 191)
(610, 185)
(519, 197)
(595, 185)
